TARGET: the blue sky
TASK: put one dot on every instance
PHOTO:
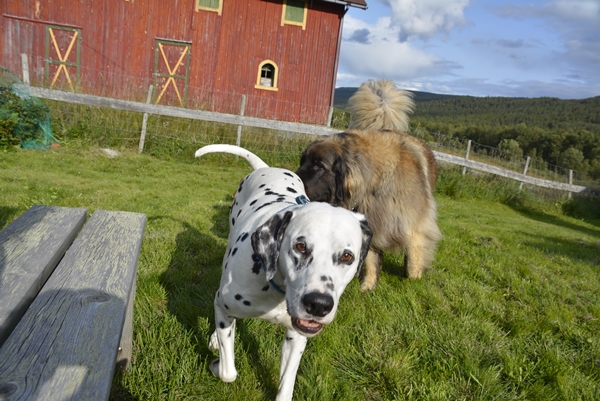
(509, 48)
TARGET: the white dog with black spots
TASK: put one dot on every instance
(287, 261)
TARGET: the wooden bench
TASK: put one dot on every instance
(66, 302)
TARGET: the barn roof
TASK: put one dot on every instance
(353, 3)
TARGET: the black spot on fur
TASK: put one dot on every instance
(226, 307)
(292, 190)
(330, 286)
(229, 335)
(262, 185)
(269, 192)
(325, 278)
(244, 236)
(238, 213)
(257, 264)
(253, 202)
(222, 325)
(234, 251)
(247, 303)
(238, 297)
(288, 174)
(232, 221)
(280, 199)
(225, 267)
(266, 287)
(261, 206)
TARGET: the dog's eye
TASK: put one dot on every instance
(300, 247)
(319, 166)
(347, 257)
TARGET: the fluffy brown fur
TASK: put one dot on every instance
(387, 175)
(380, 105)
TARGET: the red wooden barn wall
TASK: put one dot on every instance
(117, 56)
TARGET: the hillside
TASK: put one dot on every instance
(343, 94)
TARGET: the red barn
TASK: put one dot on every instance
(281, 54)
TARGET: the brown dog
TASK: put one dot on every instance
(389, 176)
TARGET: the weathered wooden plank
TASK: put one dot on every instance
(30, 249)
(66, 344)
(179, 112)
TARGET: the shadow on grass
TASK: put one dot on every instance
(576, 250)
(7, 214)
(191, 282)
(554, 220)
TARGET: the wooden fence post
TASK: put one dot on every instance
(570, 181)
(329, 116)
(464, 169)
(25, 68)
(240, 126)
(145, 120)
(525, 171)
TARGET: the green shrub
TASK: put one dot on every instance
(21, 120)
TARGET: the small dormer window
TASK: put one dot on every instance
(210, 5)
(294, 13)
(267, 76)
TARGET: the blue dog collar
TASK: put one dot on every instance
(302, 200)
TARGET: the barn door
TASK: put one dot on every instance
(63, 49)
(171, 71)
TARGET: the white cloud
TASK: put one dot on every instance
(424, 19)
(512, 48)
(577, 22)
(384, 57)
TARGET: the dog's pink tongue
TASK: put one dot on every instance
(309, 323)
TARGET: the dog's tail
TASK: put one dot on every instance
(380, 105)
(254, 160)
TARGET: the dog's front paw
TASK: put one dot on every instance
(368, 285)
(214, 368)
(213, 343)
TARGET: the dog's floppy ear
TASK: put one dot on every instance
(366, 241)
(266, 241)
(339, 169)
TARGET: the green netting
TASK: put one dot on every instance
(24, 119)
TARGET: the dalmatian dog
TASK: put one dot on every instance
(287, 261)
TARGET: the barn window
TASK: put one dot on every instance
(210, 5)
(294, 13)
(267, 76)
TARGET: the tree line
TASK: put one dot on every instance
(561, 132)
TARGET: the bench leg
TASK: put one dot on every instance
(126, 345)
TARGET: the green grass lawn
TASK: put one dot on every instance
(510, 309)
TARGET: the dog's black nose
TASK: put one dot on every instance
(318, 304)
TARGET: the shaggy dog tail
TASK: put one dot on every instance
(380, 105)
(254, 160)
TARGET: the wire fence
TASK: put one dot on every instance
(505, 159)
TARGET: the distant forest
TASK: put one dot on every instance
(565, 133)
